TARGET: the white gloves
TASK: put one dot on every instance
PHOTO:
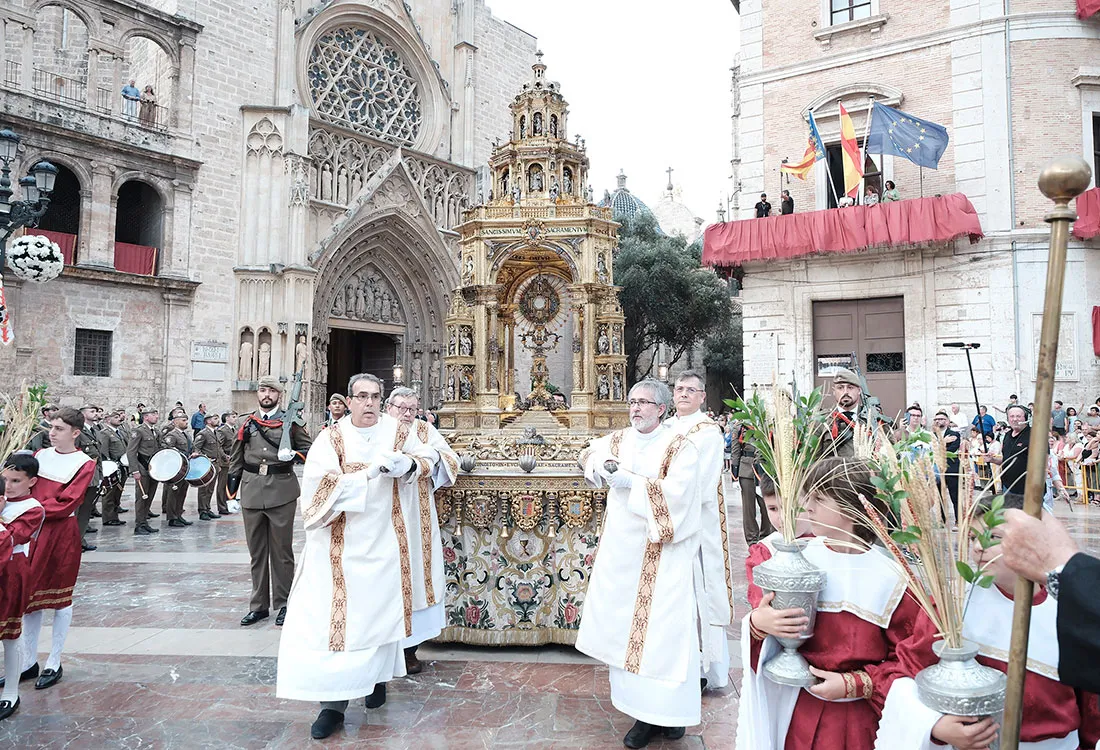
(373, 470)
(621, 479)
(398, 464)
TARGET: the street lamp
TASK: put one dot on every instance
(36, 186)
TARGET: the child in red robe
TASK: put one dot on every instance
(1055, 716)
(863, 613)
(21, 518)
(64, 473)
(763, 550)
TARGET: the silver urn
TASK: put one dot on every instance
(796, 583)
(527, 462)
(960, 686)
(467, 462)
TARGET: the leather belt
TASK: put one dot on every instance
(265, 469)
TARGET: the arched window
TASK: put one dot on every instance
(139, 222)
(60, 55)
(61, 222)
(151, 70)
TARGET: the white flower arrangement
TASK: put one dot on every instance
(36, 258)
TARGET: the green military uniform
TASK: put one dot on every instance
(112, 448)
(227, 435)
(268, 495)
(88, 441)
(144, 442)
(172, 496)
(208, 443)
(742, 461)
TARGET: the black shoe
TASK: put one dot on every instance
(153, 515)
(204, 516)
(328, 721)
(48, 678)
(176, 523)
(85, 547)
(640, 734)
(279, 618)
(144, 528)
(115, 522)
(123, 510)
(212, 514)
(184, 521)
(377, 699)
(672, 733)
(91, 530)
(27, 674)
(7, 708)
(702, 684)
(254, 617)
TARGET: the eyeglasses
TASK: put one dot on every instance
(641, 402)
(405, 409)
(687, 389)
(375, 396)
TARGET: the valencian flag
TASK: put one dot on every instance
(853, 167)
(899, 133)
(815, 152)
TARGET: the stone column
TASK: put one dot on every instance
(183, 100)
(98, 218)
(28, 59)
(91, 87)
(494, 350)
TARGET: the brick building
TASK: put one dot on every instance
(288, 194)
(1014, 84)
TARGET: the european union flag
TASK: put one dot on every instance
(899, 133)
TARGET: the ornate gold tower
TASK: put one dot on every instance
(536, 309)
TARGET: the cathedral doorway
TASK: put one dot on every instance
(352, 351)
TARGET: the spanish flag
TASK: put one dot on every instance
(853, 168)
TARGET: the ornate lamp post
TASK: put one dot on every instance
(37, 187)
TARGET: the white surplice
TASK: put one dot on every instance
(351, 602)
(640, 608)
(425, 541)
(714, 571)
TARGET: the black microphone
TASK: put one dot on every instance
(960, 345)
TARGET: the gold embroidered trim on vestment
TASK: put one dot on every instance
(659, 508)
(321, 496)
(725, 544)
(647, 581)
(424, 484)
(403, 548)
(338, 622)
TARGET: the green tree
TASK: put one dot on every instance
(667, 297)
(724, 359)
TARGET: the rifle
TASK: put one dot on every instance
(870, 407)
(292, 416)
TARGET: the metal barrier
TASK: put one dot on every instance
(59, 87)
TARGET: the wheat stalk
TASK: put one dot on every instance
(20, 418)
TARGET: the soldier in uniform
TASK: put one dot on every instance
(743, 466)
(88, 441)
(112, 447)
(227, 435)
(337, 408)
(144, 442)
(268, 496)
(41, 437)
(172, 496)
(208, 443)
(838, 439)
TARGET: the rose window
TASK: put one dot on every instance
(359, 81)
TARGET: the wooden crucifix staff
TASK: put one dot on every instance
(1062, 180)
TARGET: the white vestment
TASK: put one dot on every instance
(351, 602)
(715, 574)
(422, 527)
(907, 723)
(640, 613)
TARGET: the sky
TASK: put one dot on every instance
(648, 86)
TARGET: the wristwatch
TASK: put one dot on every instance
(1053, 580)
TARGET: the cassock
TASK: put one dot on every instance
(714, 575)
(20, 522)
(351, 601)
(438, 470)
(640, 615)
(863, 614)
(1055, 716)
(63, 478)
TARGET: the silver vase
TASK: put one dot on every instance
(796, 583)
(958, 685)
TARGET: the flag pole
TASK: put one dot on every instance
(1061, 181)
(920, 171)
(828, 174)
(866, 135)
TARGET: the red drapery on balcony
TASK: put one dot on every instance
(135, 258)
(842, 230)
(1087, 225)
(67, 242)
(1086, 8)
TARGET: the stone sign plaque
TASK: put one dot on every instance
(1065, 366)
(209, 351)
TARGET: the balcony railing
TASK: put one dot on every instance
(60, 88)
(13, 73)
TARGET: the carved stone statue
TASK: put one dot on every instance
(265, 359)
(435, 375)
(338, 305)
(417, 369)
(468, 270)
(395, 310)
(603, 344)
(554, 126)
(536, 124)
(362, 307)
(535, 181)
(301, 354)
(517, 192)
(451, 387)
(554, 192)
(601, 269)
(452, 345)
(503, 185)
(349, 301)
(603, 388)
(567, 181)
(618, 386)
(467, 386)
(616, 343)
(244, 369)
(465, 344)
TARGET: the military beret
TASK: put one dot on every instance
(149, 410)
(844, 375)
(338, 397)
(271, 382)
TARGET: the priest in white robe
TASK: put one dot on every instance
(351, 601)
(640, 615)
(713, 573)
(422, 524)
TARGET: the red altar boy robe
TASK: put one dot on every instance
(21, 521)
(1055, 716)
(863, 614)
(759, 553)
(63, 478)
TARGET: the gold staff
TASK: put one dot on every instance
(1063, 179)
